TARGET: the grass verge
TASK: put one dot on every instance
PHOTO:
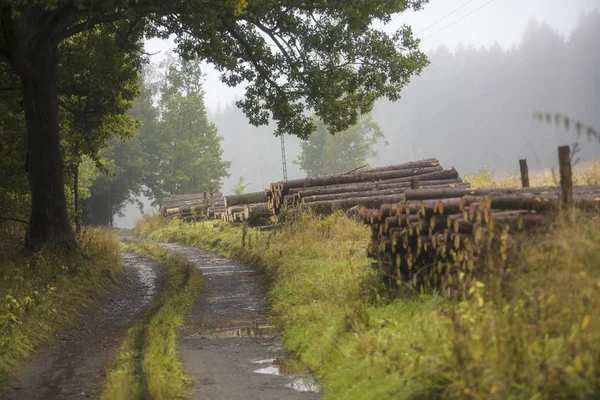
(41, 292)
(147, 365)
(530, 332)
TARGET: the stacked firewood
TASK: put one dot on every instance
(190, 207)
(431, 236)
(369, 187)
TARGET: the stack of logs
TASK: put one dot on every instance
(250, 207)
(189, 207)
(430, 236)
(370, 187)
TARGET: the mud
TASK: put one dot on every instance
(74, 364)
(229, 347)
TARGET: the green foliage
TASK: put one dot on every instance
(528, 333)
(189, 153)
(92, 110)
(152, 343)
(241, 186)
(98, 84)
(327, 57)
(40, 293)
(124, 163)
(324, 153)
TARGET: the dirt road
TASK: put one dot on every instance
(74, 364)
(228, 347)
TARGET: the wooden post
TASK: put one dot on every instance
(566, 176)
(414, 183)
(524, 172)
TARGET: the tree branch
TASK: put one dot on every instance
(88, 24)
(14, 220)
(273, 37)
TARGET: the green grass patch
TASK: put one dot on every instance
(147, 364)
(530, 332)
(41, 292)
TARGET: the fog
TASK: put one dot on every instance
(471, 107)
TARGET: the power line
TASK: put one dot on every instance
(444, 17)
(457, 21)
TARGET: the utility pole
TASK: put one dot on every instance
(283, 158)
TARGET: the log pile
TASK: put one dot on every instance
(370, 187)
(250, 207)
(190, 207)
(246, 207)
(431, 236)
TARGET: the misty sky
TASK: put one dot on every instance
(501, 21)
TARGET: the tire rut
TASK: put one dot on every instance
(228, 346)
(74, 364)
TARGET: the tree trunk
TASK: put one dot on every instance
(76, 198)
(49, 223)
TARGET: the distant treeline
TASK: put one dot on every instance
(471, 108)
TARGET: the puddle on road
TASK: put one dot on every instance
(270, 370)
(147, 277)
(265, 361)
(298, 383)
(249, 331)
(304, 385)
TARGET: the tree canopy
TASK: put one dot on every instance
(323, 56)
(324, 153)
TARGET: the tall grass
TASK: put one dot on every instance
(40, 292)
(584, 174)
(528, 330)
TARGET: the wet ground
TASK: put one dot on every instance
(74, 364)
(228, 346)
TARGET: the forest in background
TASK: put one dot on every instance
(471, 108)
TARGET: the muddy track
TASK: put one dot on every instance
(74, 364)
(228, 347)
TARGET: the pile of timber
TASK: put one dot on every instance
(246, 207)
(250, 207)
(369, 187)
(430, 236)
(190, 207)
(254, 214)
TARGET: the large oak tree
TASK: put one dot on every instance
(323, 55)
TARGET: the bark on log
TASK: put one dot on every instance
(370, 202)
(234, 209)
(341, 196)
(329, 190)
(515, 202)
(255, 211)
(357, 177)
(368, 186)
(427, 162)
(246, 198)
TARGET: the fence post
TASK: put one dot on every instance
(566, 176)
(524, 173)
